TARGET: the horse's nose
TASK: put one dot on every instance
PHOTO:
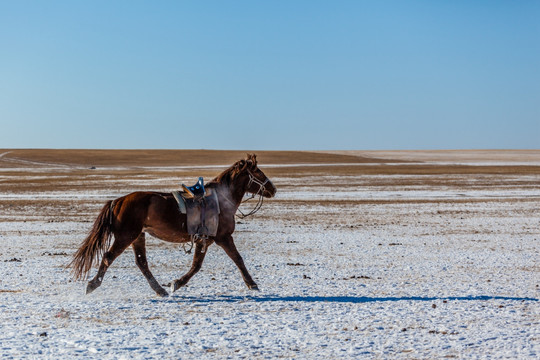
(271, 189)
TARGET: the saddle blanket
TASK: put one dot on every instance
(202, 214)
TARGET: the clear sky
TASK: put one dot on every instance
(285, 74)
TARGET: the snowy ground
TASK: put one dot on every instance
(445, 270)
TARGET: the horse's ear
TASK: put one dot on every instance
(252, 161)
(240, 165)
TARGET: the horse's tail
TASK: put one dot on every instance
(95, 244)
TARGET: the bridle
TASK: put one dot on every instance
(260, 192)
(254, 180)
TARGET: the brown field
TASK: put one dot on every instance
(123, 171)
(135, 158)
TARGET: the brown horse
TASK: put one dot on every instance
(128, 218)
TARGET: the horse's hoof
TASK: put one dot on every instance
(162, 293)
(177, 284)
(253, 287)
(90, 287)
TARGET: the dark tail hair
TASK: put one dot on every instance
(95, 244)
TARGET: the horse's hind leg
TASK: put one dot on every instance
(120, 244)
(198, 258)
(140, 258)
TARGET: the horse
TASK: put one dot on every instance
(129, 217)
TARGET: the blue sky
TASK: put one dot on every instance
(276, 75)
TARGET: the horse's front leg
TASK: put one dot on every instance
(201, 248)
(227, 244)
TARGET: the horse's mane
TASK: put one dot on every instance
(228, 175)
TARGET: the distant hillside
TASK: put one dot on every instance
(168, 157)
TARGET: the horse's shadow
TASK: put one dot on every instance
(328, 299)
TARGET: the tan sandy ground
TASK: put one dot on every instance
(451, 156)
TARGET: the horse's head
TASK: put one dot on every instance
(258, 182)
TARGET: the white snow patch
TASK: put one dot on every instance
(399, 280)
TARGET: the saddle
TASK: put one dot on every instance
(201, 208)
(195, 191)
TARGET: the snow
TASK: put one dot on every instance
(394, 280)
